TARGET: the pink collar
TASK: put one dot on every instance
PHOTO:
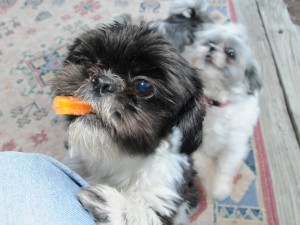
(206, 101)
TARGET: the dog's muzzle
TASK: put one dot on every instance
(103, 84)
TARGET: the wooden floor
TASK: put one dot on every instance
(276, 43)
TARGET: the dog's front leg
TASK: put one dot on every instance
(228, 164)
(133, 207)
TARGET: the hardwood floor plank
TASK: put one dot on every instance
(279, 136)
(284, 40)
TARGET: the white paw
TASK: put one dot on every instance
(109, 206)
(222, 187)
(93, 200)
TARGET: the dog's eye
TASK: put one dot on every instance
(144, 88)
(81, 61)
(230, 52)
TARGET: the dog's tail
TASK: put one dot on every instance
(185, 18)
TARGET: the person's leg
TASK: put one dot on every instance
(36, 189)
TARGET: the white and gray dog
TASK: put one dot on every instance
(231, 84)
(135, 148)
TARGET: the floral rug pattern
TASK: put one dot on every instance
(33, 39)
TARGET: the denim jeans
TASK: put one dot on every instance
(38, 190)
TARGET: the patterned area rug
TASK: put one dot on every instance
(34, 35)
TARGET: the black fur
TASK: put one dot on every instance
(180, 30)
(253, 77)
(188, 191)
(126, 53)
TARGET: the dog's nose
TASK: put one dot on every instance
(104, 84)
(212, 47)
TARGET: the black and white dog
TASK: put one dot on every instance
(134, 149)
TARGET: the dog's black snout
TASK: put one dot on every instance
(212, 48)
(104, 84)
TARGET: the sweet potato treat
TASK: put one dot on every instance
(67, 105)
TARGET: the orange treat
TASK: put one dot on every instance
(68, 105)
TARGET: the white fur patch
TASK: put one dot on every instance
(133, 186)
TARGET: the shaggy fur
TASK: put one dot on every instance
(186, 17)
(231, 81)
(134, 149)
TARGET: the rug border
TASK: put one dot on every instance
(265, 177)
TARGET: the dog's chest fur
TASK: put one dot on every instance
(233, 122)
(108, 165)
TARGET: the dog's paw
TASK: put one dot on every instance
(93, 200)
(108, 205)
(222, 187)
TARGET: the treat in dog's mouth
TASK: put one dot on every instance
(68, 105)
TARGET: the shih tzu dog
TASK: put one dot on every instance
(231, 84)
(135, 148)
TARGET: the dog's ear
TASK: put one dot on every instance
(71, 49)
(190, 123)
(253, 79)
